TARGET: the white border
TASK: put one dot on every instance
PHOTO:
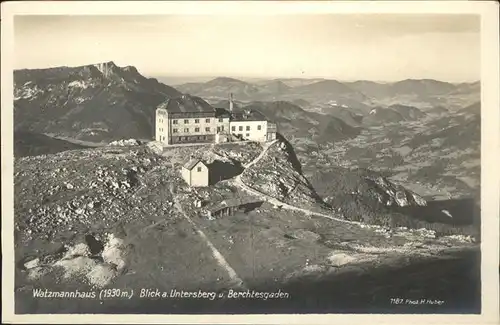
(490, 145)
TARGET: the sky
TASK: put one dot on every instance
(379, 47)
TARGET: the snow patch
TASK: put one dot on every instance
(339, 259)
(112, 252)
(27, 93)
(460, 238)
(446, 212)
(124, 143)
(78, 84)
(77, 262)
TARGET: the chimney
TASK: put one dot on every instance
(231, 102)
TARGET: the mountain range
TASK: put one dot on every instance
(426, 92)
(96, 217)
(103, 102)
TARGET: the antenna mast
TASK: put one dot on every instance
(231, 102)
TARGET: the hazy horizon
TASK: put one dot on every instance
(178, 80)
(345, 47)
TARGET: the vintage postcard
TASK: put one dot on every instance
(250, 162)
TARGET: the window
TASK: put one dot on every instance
(207, 120)
(174, 130)
(196, 129)
(221, 120)
(247, 135)
(186, 121)
(198, 169)
(240, 128)
(175, 121)
(222, 128)
(207, 129)
(233, 128)
(197, 120)
(186, 130)
(248, 127)
(259, 127)
(218, 129)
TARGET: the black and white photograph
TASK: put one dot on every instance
(244, 162)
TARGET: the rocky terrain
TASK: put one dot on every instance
(86, 218)
(371, 190)
(92, 102)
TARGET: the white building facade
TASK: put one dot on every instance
(249, 130)
(190, 119)
(196, 173)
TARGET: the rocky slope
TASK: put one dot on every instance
(355, 195)
(279, 174)
(93, 102)
(109, 217)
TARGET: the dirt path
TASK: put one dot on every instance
(266, 147)
(237, 281)
(238, 182)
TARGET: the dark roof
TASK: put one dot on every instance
(191, 163)
(249, 115)
(187, 104)
(231, 202)
(222, 112)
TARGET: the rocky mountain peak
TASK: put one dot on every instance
(83, 95)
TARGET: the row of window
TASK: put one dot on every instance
(219, 129)
(201, 137)
(207, 129)
(196, 121)
(240, 128)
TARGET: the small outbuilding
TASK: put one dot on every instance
(230, 206)
(195, 172)
(222, 137)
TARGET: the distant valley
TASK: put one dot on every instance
(368, 187)
(375, 125)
